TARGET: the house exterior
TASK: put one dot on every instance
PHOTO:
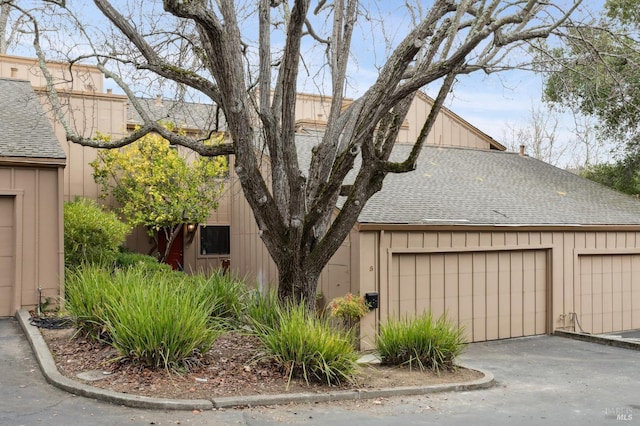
(506, 245)
(31, 186)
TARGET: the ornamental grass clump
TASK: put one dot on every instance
(306, 346)
(261, 311)
(154, 318)
(420, 342)
(87, 289)
(165, 323)
(227, 295)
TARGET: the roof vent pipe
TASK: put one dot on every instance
(159, 100)
(522, 154)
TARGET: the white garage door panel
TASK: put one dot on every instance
(494, 295)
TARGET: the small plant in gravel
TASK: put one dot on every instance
(420, 342)
(350, 308)
(306, 346)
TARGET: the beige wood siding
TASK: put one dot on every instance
(35, 195)
(449, 129)
(580, 266)
(79, 77)
(249, 256)
(7, 255)
(89, 114)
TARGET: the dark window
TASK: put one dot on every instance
(214, 239)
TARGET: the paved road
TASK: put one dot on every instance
(541, 380)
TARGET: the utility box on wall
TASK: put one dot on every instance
(372, 299)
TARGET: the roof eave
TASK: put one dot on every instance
(496, 227)
(32, 161)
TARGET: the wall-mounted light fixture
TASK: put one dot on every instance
(190, 233)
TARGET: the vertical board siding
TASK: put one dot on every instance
(7, 254)
(536, 291)
(504, 295)
(37, 261)
(493, 295)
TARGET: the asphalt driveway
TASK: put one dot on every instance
(540, 380)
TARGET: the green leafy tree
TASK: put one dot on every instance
(622, 175)
(597, 70)
(157, 188)
(597, 73)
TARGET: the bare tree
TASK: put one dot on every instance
(538, 134)
(253, 75)
(9, 28)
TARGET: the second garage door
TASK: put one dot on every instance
(607, 296)
(494, 294)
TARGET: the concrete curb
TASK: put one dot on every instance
(53, 376)
(354, 395)
(596, 338)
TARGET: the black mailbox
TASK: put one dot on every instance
(372, 300)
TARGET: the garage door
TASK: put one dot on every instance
(608, 296)
(7, 253)
(494, 295)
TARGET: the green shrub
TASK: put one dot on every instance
(127, 259)
(420, 341)
(90, 233)
(350, 308)
(166, 324)
(307, 346)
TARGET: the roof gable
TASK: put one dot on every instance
(26, 131)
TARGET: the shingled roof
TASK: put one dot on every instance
(185, 115)
(453, 185)
(482, 187)
(26, 131)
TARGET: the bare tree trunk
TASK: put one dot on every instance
(297, 284)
